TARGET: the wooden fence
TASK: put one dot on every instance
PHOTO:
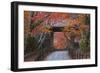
(76, 54)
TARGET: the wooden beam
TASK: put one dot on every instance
(57, 29)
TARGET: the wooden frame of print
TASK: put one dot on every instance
(17, 9)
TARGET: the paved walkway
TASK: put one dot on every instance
(58, 55)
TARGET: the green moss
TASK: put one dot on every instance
(85, 42)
